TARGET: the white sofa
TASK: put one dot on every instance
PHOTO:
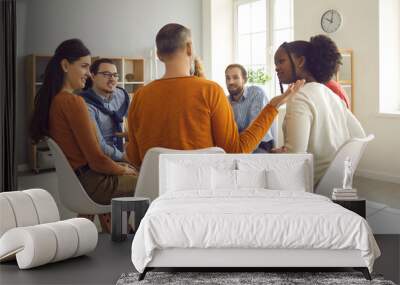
(31, 231)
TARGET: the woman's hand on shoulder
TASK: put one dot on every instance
(293, 88)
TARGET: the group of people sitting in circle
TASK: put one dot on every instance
(185, 111)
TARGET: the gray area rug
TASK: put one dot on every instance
(243, 278)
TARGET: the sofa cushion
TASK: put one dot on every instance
(293, 180)
(182, 177)
(224, 179)
(282, 173)
(251, 178)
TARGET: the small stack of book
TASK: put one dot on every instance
(344, 194)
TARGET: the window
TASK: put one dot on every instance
(261, 26)
(252, 35)
(389, 57)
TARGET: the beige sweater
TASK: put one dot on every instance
(318, 122)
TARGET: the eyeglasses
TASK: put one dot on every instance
(109, 75)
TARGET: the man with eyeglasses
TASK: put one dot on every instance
(108, 105)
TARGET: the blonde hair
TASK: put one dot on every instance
(198, 68)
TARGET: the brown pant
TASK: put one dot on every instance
(101, 187)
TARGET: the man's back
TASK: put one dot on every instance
(187, 113)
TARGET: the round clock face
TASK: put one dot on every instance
(331, 21)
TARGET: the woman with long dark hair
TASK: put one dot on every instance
(316, 120)
(63, 116)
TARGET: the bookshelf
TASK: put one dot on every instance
(345, 75)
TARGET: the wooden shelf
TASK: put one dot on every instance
(345, 75)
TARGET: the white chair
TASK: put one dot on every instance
(31, 233)
(333, 177)
(147, 185)
(72, 194)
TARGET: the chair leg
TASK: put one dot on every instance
(89, 217)
(105, 221)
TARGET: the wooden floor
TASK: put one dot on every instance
(110, 260)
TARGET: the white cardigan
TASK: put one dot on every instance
(318, 122)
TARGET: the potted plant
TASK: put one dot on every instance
(258, 77)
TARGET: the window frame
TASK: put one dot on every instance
(389, 72)
(236, 5)
(270, 38)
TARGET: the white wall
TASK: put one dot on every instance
(360, 31)
(108, 28)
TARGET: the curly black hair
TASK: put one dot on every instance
(321, 53)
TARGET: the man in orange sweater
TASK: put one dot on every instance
(180, 111)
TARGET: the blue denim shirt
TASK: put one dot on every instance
(248, 107)
(105, 125)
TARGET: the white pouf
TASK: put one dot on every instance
(31, 232)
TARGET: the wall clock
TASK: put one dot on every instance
(331, 21)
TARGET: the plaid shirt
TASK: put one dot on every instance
(248, 107)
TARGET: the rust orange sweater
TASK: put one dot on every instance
(70, 126)
(188, 113)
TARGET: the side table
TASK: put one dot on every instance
(357, 206)
(119, 214)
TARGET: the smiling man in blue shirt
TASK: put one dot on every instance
(108, 105)
(247, 102)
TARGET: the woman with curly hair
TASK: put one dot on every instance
(316, 120)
